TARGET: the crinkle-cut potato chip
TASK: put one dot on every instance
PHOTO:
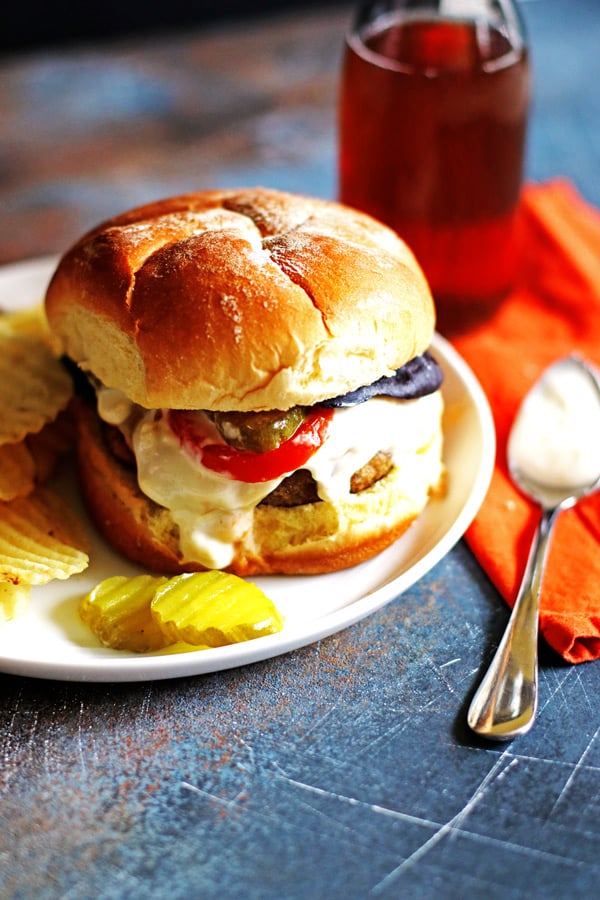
(34, 385)
(55, 440)
(118, 612)
(32, 322)
(214, 608)
(14, 600)
(17, 470)
(33, 460)
(41, 538)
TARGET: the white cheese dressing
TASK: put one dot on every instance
(213, 511)
(556, 435)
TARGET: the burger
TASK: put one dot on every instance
(259, 392)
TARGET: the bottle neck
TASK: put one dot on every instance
(502, 15)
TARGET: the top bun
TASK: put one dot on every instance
(240, 300)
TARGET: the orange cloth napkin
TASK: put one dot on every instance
(554, 310)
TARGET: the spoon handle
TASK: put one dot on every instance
(505, 703)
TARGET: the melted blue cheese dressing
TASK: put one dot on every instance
(213, 511)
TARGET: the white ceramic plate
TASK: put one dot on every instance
(51, 641)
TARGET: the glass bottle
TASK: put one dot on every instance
(432, 125)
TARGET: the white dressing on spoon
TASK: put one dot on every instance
(556, 435)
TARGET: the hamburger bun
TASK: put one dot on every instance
(280, 300)
(246, 301)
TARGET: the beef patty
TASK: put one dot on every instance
(300, 487)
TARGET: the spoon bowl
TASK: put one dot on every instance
(554, 458)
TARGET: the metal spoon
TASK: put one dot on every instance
(554, 458)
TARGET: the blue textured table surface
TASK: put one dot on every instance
(344, 769)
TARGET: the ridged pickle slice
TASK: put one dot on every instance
(118, 612)
(214, 608)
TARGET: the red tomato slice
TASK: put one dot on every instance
(245, 465)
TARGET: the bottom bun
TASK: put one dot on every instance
(310, 539)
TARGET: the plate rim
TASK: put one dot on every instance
(161, 666)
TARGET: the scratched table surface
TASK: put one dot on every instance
(343, 769)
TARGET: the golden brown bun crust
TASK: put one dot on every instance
(305, 540)
(240, 299)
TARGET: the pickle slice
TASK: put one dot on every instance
(118, 612)
(214, 608)
(259, 431)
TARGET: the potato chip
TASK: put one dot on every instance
(40, 539)
(34, 385)
(32, 322)
(14, 600)
(214, 608)
(32, 461)
(118, 612)
(48, 446)
(17, 471)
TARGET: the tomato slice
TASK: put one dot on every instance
(245, 465)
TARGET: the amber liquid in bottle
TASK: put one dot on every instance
(432, 133)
